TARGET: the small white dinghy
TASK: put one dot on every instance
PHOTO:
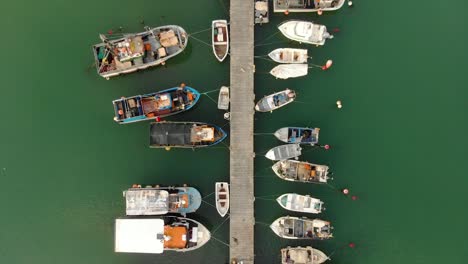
(286, 71)
(300, 203)
(222, 197)
(288, 55)
(302, 255)
(304, 31)
(220, 39)
(284, 152)
(223, 98)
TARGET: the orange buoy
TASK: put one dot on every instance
(286, 12)
(319, 12)
(345, 191)
(121, 112)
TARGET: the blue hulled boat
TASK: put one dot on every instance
(185, 135)
(299, 135)
(159, 104)
(161, 200)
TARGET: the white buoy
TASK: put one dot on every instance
(338, 102)
(350, 3)
(328, 64)
(339, 106)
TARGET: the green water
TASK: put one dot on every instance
(399, 142)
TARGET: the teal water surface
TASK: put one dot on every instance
(399, 142)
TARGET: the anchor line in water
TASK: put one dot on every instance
(197, 32)
(268, 195)
(265, 199)
(228, 147)
(266, 59)
(211, 98)
(220, 241)
(271, 43)
(211, 91)
(208, 204)
(216, 229)
(257, 222)
(272, 35)
(207, 195)
(201, 41)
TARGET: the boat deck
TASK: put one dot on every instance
(242, 120)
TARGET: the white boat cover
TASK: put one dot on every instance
(139, 235)
(285, 71)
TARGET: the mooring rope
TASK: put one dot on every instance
(214, 230)
(208, 204)
(209, 45)
(211, 98)
(277, 42)
(207, 195)
(266, 199)
(220, 241)
(197, 32)
(272, 35)
(211, 91)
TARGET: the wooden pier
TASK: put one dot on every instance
(242, 125)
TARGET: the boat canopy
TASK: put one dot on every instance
(170, 134)
(147, 202)
(139, 235)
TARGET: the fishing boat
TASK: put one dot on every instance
(289, 55)
(286, 71)
(301, 171)
(284, 152)
(138, 51)
(274, 101)
(161, 200)
(291, 227)
(159, 104)
(185, 135)
(156, 235)
(304, 31)
(220, 40)
(223, 98)
(306, 5)
(302, 255)
(222, 198)
(300, 135)
(261, 12)
(300, 203)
